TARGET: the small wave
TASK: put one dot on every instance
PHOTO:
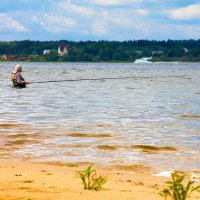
(153, 148)
(29, 135)
(89, 135)
(104, 125)
(107, 147)
(72, 145)
(12, 125)
(163, 173)
(145, 148)
(192, 175)
(20, 142)
(190, 116)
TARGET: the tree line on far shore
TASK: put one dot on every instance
(103, 51)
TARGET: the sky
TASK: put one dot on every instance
(113, 20)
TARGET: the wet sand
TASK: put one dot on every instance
(38, 181)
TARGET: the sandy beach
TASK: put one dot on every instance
(38, 181)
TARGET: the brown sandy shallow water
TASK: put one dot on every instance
(42, 181)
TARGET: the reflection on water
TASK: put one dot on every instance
(151, 118)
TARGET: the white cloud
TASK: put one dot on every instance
(115, 17)
(99, 28)
(72, 8)
(104, 19)
(186, 13)
(117, 23)
(189, 31)
(142, 12)
(104, 22)
(114, 2)
(82, 19)
(10, 24)
(34, 18)
(169, 31)
(56, 23)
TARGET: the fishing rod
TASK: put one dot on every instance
(88, 79)
(101, 79)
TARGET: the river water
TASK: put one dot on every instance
(148, 115)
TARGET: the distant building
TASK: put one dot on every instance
(138, 52)
(157, 53)
(19, 58)
(63, 49)
(185, 50)
(5, 57)
(46, 52)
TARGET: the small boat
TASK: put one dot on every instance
(143, 60)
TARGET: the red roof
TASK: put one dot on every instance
(62, 46)
(6, 56)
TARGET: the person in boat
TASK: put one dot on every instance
(17, 79)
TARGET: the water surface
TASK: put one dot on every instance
(149, 118)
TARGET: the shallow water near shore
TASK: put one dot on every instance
(150, 116)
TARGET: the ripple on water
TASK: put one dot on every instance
(114, 120)
(153, 148)
(97, 135)
(190, 116)
(12, 125)
(108, 147)
(28, 135)
(145, 148)
(20, 142)
(104, 125)
(73, 146)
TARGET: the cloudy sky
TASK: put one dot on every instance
(99, 19)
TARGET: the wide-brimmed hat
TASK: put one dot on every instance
(17, 68)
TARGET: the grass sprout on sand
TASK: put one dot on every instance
(90, 179)
(176, 190)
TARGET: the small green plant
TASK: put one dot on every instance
(176, 190)
(91, 180)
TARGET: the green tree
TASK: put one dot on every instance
(52, 56)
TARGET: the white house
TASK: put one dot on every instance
(63, 49)
(185, 50)
(46, 52)
(157, 53)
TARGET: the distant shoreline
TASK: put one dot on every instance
(101, 51)
(156, 62)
